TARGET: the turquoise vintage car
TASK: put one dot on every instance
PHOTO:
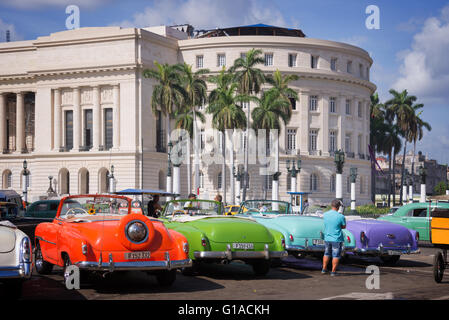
(216, 238)
(415, 216)
(304, 234)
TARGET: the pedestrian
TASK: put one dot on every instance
(154, 207)
(192, 196)
(218, 198)
(334, 223)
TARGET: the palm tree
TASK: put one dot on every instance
(226, 112)
(167, 95)
(250, 80)
(271, 109)
(281, 83)
(400, 108)
(195, 88)
(377, 130)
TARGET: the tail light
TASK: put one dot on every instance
(84, 248)
(417, 236)
(349, 239)
(283, 243)
(25, 249)
(203, 242)
(185, 247)
(362, 237)
(291, 237)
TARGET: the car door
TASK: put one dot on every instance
(419, 221)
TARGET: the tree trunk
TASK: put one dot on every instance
(394, 177)
(223, 171)
(196, 147)
(245, 178)
(402, 173)
(389, 179)
(413, 164)
(231, 165)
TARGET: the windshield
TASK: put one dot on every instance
(315, 210)
(78, 207)
(265, 207)
(192, 208)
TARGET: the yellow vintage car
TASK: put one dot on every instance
(233, 210)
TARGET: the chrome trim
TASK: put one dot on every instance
(22, 271)
(384, 251)
(315, 248)
(136, 265)
(42, 239)
(236, 255)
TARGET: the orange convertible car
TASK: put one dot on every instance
(99, 233)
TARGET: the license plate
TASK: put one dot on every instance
(243, 246)
(393, 253)
(137, 255)
(318, 242)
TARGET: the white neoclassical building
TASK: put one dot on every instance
(74, 103)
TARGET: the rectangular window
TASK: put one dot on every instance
(367, 73)
(313, 103)
(245, 105)
(359, 110)
(293, 103)
(332, 141)
(348, 143)
(349, 67)
(360, 144)
(268, 59)
(200, 62)
(314, 62)
(69, 130)
(361, 70)
(292, 60)
(243, 55)
(313, 137)
(348, 107)
(291, 139)
(88, 129)
(221, 60)
(333, 105)
(108, 128)
(334, 64)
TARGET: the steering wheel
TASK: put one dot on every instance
(74, 213)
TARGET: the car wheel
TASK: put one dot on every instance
(67, 263)
(166, 278)
(42, 266)
(390, 260)
(261, 268)
(13, 289)
(438, 267)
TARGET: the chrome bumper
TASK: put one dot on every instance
(112, 266)
(380, 250)
(318, 248)
(22, 271)
(236, 255)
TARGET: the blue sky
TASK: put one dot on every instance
(409, 50)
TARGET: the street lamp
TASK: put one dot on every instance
(410, 188)
(405, 187)
(112, 180)
(50, 190)
(339, 160)
(24, 181)
(169, 172)
(293, 170)
(422, 175)
(353, 175)
(238, 177)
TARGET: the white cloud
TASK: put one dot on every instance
(424, 69)
(15, 36)
(207, 14)
(37, 4)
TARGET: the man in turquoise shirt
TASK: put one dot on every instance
(334, 223)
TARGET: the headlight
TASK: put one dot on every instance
(25, 249)
(136, 231)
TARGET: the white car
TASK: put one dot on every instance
(16, 258)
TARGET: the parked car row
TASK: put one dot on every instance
(109, 233)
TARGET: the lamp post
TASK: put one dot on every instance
(423, 175)
(112, 180)
(169, 173)
(353, 174)
(410, 188)
(339, 160)
(294, 170)
(50, 190)
(238, 180)
(25, 181)
(404, 188)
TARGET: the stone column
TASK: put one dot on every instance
(341, 123)
(339, 186)
(20, 122)
(353, 196)
(57, 120)
(96, 118)
(3, 137)
(304, 125)
(237, 190)
(116, 117)
(76, 119)
(410, 193)
(423, 193)
(177, 180)
(324, 132)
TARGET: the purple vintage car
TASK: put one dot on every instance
(380, 238)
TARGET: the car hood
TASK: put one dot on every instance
(7, 239)
(383, 232)
(297, 225)
(232, 229)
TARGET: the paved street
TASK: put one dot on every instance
(297, 279)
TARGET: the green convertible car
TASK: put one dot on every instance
(214, 237)
(415, 216)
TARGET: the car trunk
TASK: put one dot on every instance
(389, 234)
(7, 239)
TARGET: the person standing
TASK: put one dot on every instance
(334, 223)
(154, 208)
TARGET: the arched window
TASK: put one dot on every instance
(332, 183)
(83, 181)
(313, 182)
(7, 179)
(64, 181)
(103, 180)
